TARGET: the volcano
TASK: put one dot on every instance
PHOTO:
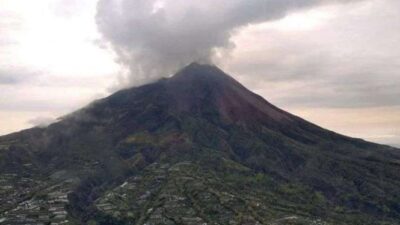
(195, 148)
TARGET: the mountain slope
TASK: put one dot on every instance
(192, 149)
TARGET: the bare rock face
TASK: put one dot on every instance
(196, 148)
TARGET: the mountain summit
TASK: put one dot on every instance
(204, 86)
(195, 148)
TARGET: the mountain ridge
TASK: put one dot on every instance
(200, 70)
(199, 136)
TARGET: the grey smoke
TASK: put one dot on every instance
(155, 37)
(41, 121)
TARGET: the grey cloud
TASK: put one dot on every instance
(351, 61)
(14, 75)
(35, 106)
(22, 76)
(151, 41)
(339, 100)
(7, 79)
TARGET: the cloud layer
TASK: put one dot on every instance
(155, 37)
(349, 60)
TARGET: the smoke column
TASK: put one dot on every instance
(154, 38)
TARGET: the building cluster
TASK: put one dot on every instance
(130, 199)
(131, 196)
(161, 194)
(41, 208)
(14, 189)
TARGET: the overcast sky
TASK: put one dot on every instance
(333, 62)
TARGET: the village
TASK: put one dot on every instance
(163, 194)
(30, 202)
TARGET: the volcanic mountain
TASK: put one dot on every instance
(195, 148)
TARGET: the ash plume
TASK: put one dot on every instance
(156, 37)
